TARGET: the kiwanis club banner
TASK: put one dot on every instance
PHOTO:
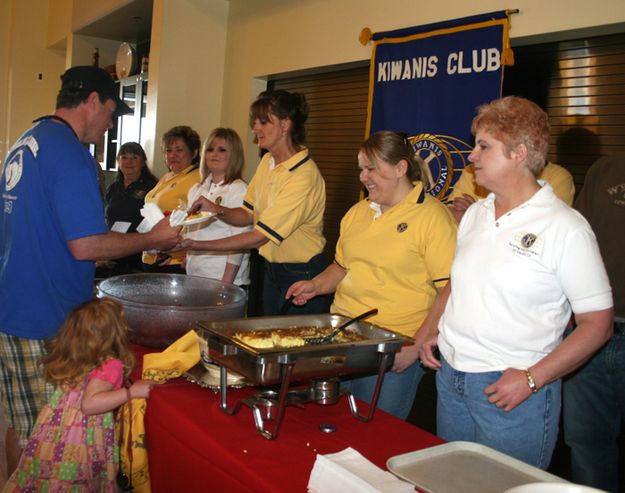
(427, 81)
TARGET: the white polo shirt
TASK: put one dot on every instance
(515, 280)
(212, 264)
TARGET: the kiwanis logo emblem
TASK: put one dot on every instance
(445, 157)
(401, 227)
(527, 240)
(526, 243)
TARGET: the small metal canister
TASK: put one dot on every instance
(326, 391)
(267, 402)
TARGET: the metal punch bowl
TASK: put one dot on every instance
(160, 308)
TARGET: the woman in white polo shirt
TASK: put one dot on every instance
(524, 261)
(220, 182)
(394, 253)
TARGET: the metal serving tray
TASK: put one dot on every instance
(466, 467)
(265, 366)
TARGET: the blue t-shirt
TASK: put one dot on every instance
(50, 196)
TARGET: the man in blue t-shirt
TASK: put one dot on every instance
(52, 229)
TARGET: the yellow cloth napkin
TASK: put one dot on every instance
(182, 355)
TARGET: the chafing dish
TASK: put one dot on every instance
(375, 353)
(263, 366)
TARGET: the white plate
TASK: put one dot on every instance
(210, 379)
(214, 371)
(464, 467)
(203, 217)
(126, 61)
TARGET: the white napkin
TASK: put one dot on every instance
(177, 216)
(349, 471)
(152, 214)
(121, 226)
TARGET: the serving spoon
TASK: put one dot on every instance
(311, 341)
(286, 305)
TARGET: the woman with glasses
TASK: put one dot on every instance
(123, 202)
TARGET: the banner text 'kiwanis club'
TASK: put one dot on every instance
(485, 59)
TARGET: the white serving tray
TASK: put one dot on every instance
(464, 467)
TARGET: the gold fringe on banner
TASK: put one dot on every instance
(507, 56)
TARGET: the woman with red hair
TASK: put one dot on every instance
(524, 262)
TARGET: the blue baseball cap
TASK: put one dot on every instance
(90, 78)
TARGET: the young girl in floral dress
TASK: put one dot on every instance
(73, 447)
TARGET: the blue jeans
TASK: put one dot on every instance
(398, 389)
(594, 409)
(528, 432)
(278, 278)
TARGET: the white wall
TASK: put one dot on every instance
(187, 57)
(59, 21)
(275, 36)
(85, 12)
(24, 95)
(6, 14)
(209, 58)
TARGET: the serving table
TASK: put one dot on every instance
(193, 446)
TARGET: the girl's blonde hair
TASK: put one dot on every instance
(237, 158)
(92, 333)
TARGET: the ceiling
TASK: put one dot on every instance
(131, 23)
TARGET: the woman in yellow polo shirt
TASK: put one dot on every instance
(285, 202)
(394, 253)
(181, 147)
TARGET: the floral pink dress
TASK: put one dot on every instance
(68, 451)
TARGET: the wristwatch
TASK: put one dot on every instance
(530, 381)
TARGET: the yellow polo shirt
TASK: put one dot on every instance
(168, 193)
(287, 203)
(558, 177)
(395, 262)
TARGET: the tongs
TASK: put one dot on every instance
(312, 341)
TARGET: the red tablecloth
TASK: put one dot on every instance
(194, 446)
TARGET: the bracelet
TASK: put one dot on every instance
(128, 397)
(530, 381)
